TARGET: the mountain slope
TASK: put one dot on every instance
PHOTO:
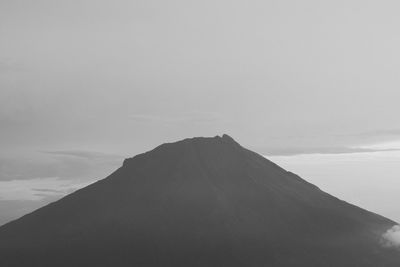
(198, 202)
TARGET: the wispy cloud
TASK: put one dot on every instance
(27, 198)
(65, 164)
(10, 65)
(38, 188)
(378, 133)
(29, 181)
(90, 155)
(291, 151)
(192, 117)
(13, 209)
(46, 190)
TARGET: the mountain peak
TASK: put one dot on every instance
(228, 138)
(203, 144)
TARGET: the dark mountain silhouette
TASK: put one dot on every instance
(198, 202)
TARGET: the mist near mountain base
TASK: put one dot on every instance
(391, 238)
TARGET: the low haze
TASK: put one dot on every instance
(312, 85)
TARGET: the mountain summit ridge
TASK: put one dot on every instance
(187, 141)
(203, 201)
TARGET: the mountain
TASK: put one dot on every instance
(198, 202)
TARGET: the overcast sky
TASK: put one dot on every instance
(85, 83)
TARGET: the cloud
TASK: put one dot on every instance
(370, 137)
(378, 133)
(13, 209)
(46, 190)
(38, 188)
(291, 151)
(69, 165)
(391, 238)
(90, 155)
(191, 117)
(29, 180)
(10, 65)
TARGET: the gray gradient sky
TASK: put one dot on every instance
(85, 83)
